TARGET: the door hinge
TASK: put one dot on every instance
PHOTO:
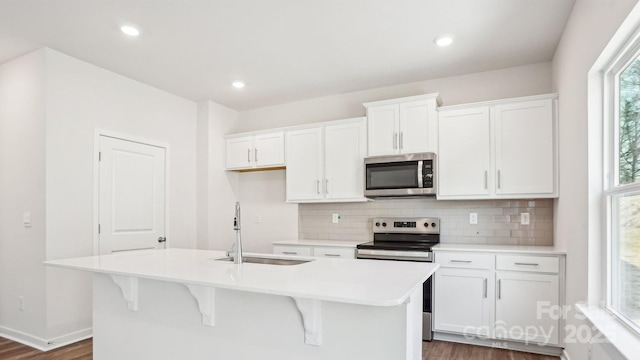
(98, 228)
(99, 155)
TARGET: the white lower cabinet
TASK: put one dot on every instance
(316, 251)
(463, 301)
(499, 296)
(525, 304)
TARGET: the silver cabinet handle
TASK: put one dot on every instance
(318, 186)
(326, 186)
(290, 253)
(499, 180)
(248, 155)
(395, 140)
(332, 255)
(255, 156)
(461, 261)
(401, 140)
(499, 289)
(527, 264)
(486, 179)
(485, 287)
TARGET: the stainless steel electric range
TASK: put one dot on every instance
(405, 239)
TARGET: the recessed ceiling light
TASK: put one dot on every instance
(444, 40)
(237, 84)
(130, 30)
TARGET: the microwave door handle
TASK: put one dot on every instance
(420, 182)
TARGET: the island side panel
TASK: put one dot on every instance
(167, 325)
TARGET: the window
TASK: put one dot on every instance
(623, 193)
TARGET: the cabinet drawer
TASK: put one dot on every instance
(292, 250)
(334, 252)
(465, 260)
(530, 263)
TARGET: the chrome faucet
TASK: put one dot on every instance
(237, 258)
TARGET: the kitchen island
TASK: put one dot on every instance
(182, 303)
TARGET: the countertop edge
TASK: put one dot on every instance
(356, 301)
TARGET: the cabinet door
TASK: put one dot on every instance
(520, 296)
(464, 156)
(268, 149)
(304, 165)
(462, 302)
(239, 152)
(345, 148)
(525, 148)
(418, 128)
(383, 130)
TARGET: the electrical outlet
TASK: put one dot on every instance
(524, 218)
(21, 303)
(335, 218)
(473, 218)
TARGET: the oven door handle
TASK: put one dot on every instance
(425, 256)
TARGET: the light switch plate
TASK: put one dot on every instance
(473, 218)
(524, 218)
(335, 218)
(26, 219)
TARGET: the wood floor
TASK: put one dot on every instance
(82, 350)
(441, 350)
(435, 350)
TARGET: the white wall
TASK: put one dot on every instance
(22, 188)
(498, 84)
(50, 105)
(218, 188)
(591, 25)
(81, 97)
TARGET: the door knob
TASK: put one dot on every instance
(162, 239)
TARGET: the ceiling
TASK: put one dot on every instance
(285, 50)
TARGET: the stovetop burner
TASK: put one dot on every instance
(404, 234)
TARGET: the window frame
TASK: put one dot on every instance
(612, 189)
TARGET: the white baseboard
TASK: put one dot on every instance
(502, 344)
(43, 344)
(565, 355)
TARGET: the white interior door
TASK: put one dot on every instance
(132, 195)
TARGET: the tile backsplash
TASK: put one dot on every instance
(498, 220)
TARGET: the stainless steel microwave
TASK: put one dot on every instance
(400, 175)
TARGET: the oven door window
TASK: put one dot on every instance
(400, 175)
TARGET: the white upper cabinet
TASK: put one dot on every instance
(345, 147)
(499, 149)
(525, 148)
(304, 165)
(325, 163)
(268, 149)
(403, 126)
(263, 150)
(239, 152)
(464, 158)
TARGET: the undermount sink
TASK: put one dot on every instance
(268, 261)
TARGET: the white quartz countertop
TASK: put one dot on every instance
(331, 243)
(538, 250)
(364, 282)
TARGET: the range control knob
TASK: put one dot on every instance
(377, 224)
(433, 224)
(384, 224)
(426, 225)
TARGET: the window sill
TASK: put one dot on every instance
(615, 332)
